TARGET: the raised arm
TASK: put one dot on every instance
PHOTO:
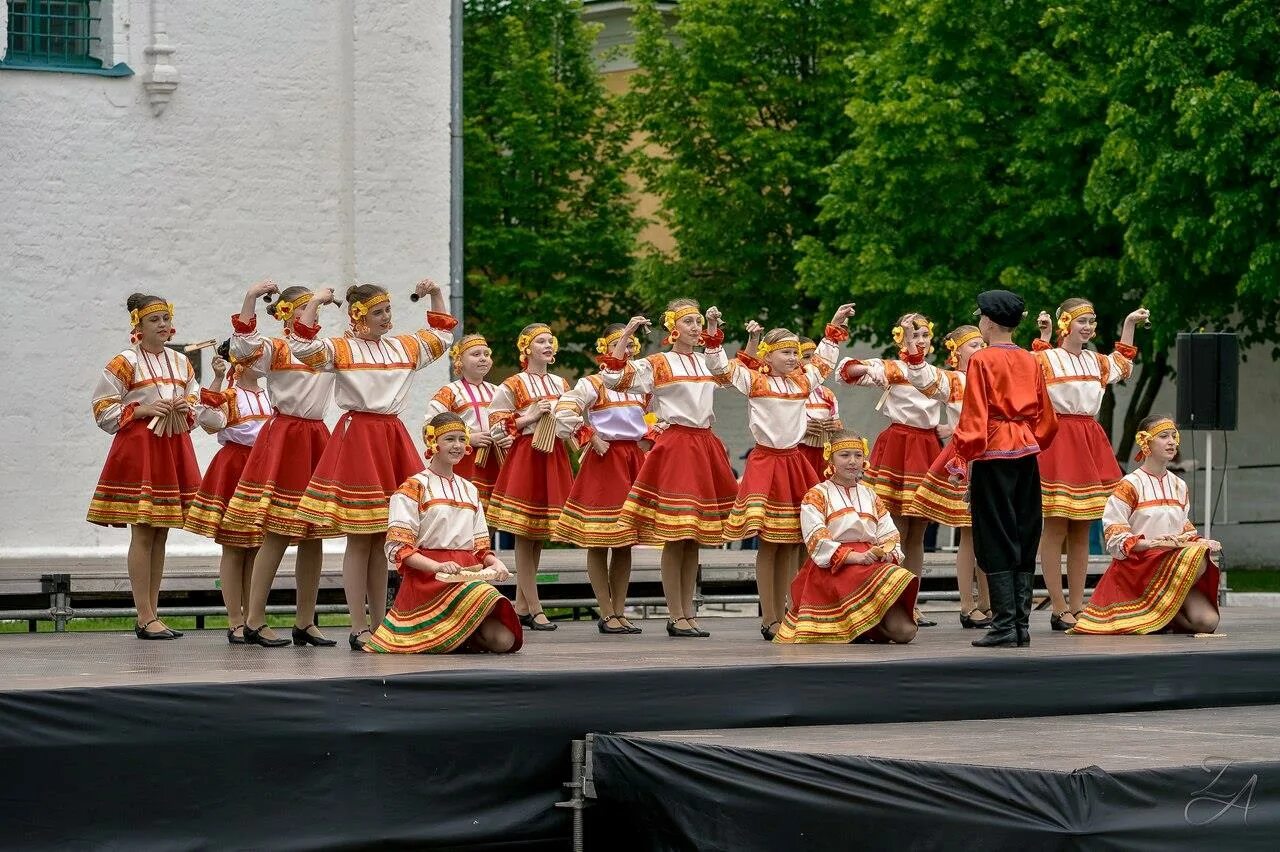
(316, 352)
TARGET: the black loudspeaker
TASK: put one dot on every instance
(1208, 379)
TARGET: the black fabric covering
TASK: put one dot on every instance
(475, 759)
(1005, 501)
(692, 796)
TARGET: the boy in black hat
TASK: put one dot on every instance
(1005, 421)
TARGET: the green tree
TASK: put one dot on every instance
(742, 102)
(549, 229)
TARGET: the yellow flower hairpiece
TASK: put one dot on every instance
(670, 318)
(604, 345)
(1067, 317)
(524, 341)
(764, 349)
(137, 315)
(360, 310)
(284, 311)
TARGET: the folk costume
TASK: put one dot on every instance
(1079, 472)
(1006, 419)
(590, 514)
(236, 416)
(685, 488)
(471, 403)
(441, 518)
(936, 498)
(1142, 592)
(370, 453)
(777, 474)
(290, 444)
(147, 479)
(835, 602)
(532, 486)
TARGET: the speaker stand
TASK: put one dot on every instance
(1208, 484)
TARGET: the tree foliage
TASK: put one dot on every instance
(549, 229)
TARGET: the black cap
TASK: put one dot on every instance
(1001, 307)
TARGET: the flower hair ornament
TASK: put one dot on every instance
(1065, 318)
(456, 350)
(830, 449)
(763, 349)
(524, 342)
(137, 315)
(604, 345)
(1144, 438)
(670, 318)
(358, 310)
(916, 321)
(284, 311)
(431, 436)
(953, 347)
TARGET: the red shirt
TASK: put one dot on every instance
(1007, 413)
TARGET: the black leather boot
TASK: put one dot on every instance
(1003, 632)
(1022, 584)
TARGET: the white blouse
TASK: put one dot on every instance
(832, 515)
(1077, 382)
(468, 401)
(434, 513)
(945, 386)
(681, 386)
(614, 415)
(296, 389)
(372, 375)
(900, 402)
(777, 406)
(237, 417)
(517, 394)
(138, 377)
(1145, 507)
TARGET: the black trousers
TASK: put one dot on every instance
(1004, 499)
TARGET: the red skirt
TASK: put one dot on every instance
(1078, 472)
(1143, 593)
(481, 477)
(275, 477)
(431, 617)
(207, 511)
(937, 499)
(839, 606)
(145, 480)
(531, 489)
(363, 464)
(590, 514)
(685, 490)
(815, 459)
(769, 496)
(899, 461)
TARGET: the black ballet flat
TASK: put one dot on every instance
(301, 637)
(687, 632)
(528, 621)
(968, 622)
(1056, 622)
(232, 638)
(356, 643)
(255, 637)
(631, 628)
(140, 630)
(921, 621)
(767, 632)
(603, 626)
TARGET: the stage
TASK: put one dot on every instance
(198, 744)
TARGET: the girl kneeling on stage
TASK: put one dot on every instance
(853, 586)
(1164, 575)
(437, 530)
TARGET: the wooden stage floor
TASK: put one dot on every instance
(66, 660)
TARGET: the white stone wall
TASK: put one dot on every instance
(306, 141)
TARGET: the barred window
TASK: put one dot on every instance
(57, 35)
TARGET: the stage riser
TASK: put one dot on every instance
(468, 759)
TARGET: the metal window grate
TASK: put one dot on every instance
(54, 32)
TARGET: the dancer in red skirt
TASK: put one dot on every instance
(149, 478)
(1079, 471)
(469, 398)
(904, 452)
(853, 585)
(936, 498)
(370, 452)
(610, 432)
(777, 475)
(236, 415)
(685, 489)
(534, 481)
(280, 465)
(437, 528)
(1163, 574)
(822, 412)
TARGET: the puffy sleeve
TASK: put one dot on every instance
(813, 527)
(108, 410)
(887, 537)
(442, 402)
(834, 404)
(502, 412)
(1118, 366)
(248, 346)
(635, 375)
(434, 340)
(1116, 529)
(213, 410)
(929, 380)
(571, 413)
(404, 519)
(824, 358)
(316, 352)
(730, 372)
